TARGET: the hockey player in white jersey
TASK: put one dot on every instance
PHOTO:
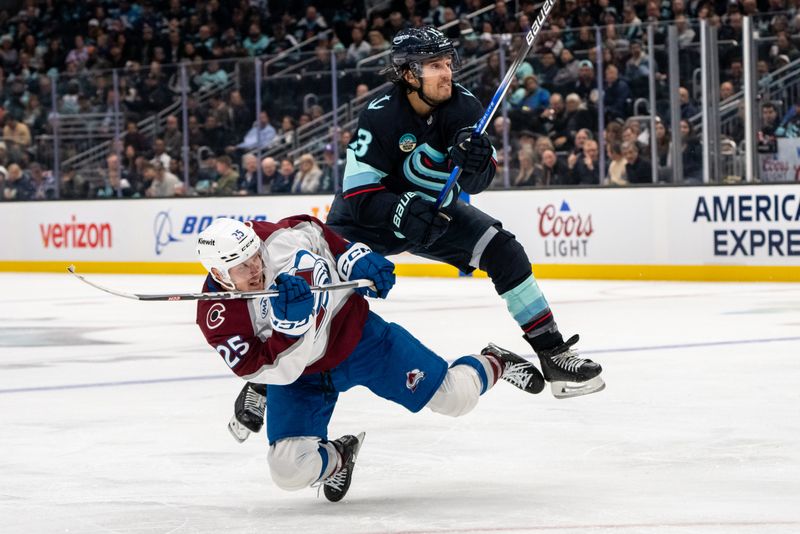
(298, 350)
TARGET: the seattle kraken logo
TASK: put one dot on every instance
(426, 168)
(162, 230)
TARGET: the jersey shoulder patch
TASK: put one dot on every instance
(379, 103)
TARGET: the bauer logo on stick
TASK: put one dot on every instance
(537, 24)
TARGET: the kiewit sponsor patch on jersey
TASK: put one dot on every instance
(408, 142)
(413, 378)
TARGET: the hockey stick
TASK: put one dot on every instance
(502, 89)
(223, 295)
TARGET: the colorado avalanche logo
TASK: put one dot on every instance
(214, 318)
(413, 378)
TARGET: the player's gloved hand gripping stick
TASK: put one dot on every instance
(480, 128)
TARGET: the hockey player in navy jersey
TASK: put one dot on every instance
(407, 141)
(298, 350)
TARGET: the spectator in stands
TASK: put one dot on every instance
(213, 76)
(633, 24)
(248, 177)
(220, 110)
(686, 35)
(633, 131)
(135, 138)
(282, 41)
(359, 48)
(378, 44)
(524, 177)
(310, 25)
(79, 54)
(286, 133)
(551, 120)
(362, 90)
(616, 164)
(114, 186)
(162, 182)
(726, 91)
(240, 116)
(688, 109)
(282, 183)
(769, 118)
(435, 15)
(218, 137)
(262, 134)
(16, 135)
(637, 69)
(72, 187)
(173, 138)
(17, 186)
(256, 42)
(228, 178)
(500, 18)
(327, 183)
(269, 172)
(691, 153)
(307, 178)
(531, 98)
(576, 117)
(567, 73)
(663, 143)
(617, 94)
(586, 85)
(551, 170)
(637, 170)
(43, 183)
(587, 166)
(160, 153)
(542, 144)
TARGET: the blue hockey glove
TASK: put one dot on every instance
(359, 262)
(294, 302)
(418, 220)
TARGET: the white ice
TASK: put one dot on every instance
(113, 418)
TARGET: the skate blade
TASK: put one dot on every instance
(360, 438)
(567, 390)
(239, 432)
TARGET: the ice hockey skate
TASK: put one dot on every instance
(335, 486)
(248, 414)
(569, 375)
(516, 370)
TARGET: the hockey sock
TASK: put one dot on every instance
(508, 266)
(330, 460)
(489, 368)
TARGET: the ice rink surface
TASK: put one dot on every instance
(113, 418)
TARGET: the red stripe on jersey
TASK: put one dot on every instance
(372, 190)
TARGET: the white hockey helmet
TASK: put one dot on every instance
(225, 244)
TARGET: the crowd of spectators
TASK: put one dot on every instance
(61, 54)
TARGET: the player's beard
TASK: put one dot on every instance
(442, 94)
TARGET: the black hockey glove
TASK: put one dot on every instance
(471, 154)
(418, 220)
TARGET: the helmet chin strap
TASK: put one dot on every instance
(422, 95)
(411, 89)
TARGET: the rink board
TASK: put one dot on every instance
(674, 233)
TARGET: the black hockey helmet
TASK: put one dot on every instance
(413, 46)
